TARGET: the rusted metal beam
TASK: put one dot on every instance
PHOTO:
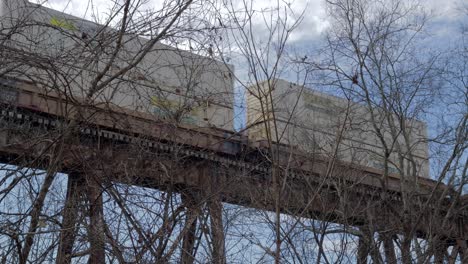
(96, 228)
(215, 208)
(217, 230)
(69, 219)
(213, 179)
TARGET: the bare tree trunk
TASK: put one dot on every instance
(372, 248)
(363, 250)
(96, 231)
(452, 258)
(35, 213)
(375, 254)
(439, 251)
(389, 248)
(406, 250)
(463, 251)
(439, 257)
(69, 215)
(190, 201)
(277, 197)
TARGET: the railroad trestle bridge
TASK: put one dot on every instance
(102, 146)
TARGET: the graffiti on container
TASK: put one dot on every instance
(378, 163)
(63, 23)
(381, 166)
(167, 109)
(8, 94)
(93, 35)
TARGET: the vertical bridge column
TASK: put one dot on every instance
(362, 250)
(216, 215)
(69, 218)
(207, 193)
(82, 186)
(96, 229)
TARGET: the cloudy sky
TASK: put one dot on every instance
(444, 27)
(447, 16)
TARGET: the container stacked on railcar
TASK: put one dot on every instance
(329, 126)
(64, 54)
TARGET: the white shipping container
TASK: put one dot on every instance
(168, 82)
(315, 122)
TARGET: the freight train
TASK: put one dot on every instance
(86, 63)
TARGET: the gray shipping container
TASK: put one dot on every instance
(169, 83)
(322, 124)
